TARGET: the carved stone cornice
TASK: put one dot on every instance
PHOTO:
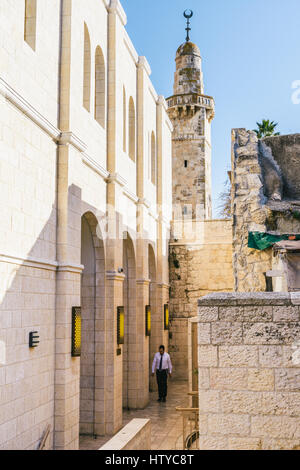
(116, 7)
(69, 138)
(115, 276)
(20, 103)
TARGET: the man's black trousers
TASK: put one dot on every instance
(162, 382)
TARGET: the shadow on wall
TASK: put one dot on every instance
(27, 374)
(28, 304)
(286, 153)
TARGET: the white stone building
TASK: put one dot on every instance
(85, 158)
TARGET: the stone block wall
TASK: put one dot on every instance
(136, 435)
(248, 213)
(196, 269)
(249, 371)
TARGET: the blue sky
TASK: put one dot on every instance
(251, 57)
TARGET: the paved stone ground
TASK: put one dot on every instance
(166, 422)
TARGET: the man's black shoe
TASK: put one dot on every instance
(164, 400)
(159, 399)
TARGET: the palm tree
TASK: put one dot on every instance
(266, 128)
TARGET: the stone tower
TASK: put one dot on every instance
(191, 113)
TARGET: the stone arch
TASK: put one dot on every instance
(99, 87)
(132, 130)
(30, 23)
(130, 343)
(87, 69)
(153, 158)
(93, 308)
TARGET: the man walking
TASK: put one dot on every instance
(163, 366)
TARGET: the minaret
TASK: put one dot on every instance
(191, 113)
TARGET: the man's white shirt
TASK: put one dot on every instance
(166, 362)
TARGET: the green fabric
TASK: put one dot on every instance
(262, 241)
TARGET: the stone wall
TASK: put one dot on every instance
(248, 213)
(286, 152)
(136, 435)
(61, 166)
(254, 208)
(196, 269)
(249, 376)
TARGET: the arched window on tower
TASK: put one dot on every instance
(153, 158)
(30, 23)
(99, 87)
(87, 70)
(132, 143)
(124, 120)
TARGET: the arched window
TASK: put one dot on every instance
(153, 158)
(99, 87)
(124, 120)
(132, 144)
(30, 23)
(87, 70)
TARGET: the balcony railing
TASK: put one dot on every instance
(190, 427)
(192, 99)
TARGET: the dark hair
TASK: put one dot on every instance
(162, 347)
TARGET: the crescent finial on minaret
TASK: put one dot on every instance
(188, 16)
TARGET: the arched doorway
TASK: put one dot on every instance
(130, 343)
(92, 310)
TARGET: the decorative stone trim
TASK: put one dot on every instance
(197, 244)
(130, 48)
(144, 202)
(115, 276)
(71, 268)
(165, 221)
(162, 102)
(87, 160)
(130, 195)
(116, 7)
(144, 64)
(116, 178)
(71, 139)
(41, 263)
(246, 298)
(169, 125)
(152, 92)
(29, 262)
(136, 435)
(154, 215)
(20, 103)
(144, 282)
(194, 320)
(162, 285)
